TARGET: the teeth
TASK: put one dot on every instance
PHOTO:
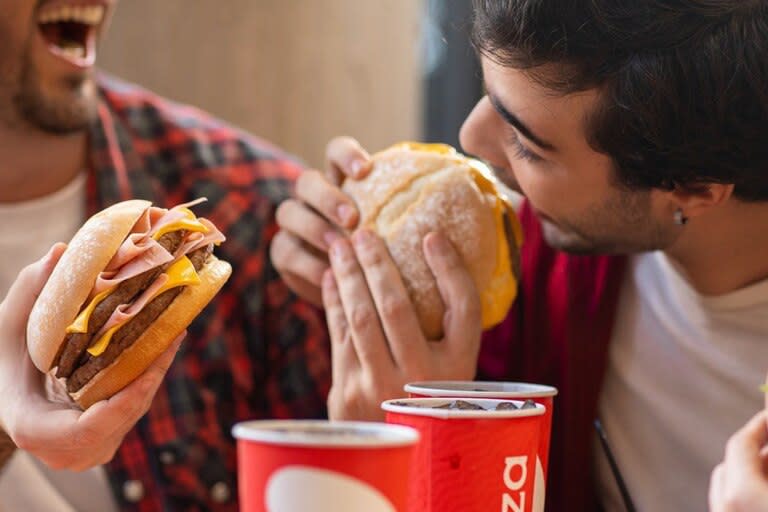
(77, 52)
(86, 14)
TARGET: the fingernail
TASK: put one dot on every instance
(346, 214)
(330, 237)
(357, 167)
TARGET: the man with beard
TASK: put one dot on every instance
(635, 132)
(71, 143)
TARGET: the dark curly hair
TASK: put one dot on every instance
(683, 83)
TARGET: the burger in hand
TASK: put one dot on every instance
(130, 281)
(413, 189)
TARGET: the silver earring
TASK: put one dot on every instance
(680, 219)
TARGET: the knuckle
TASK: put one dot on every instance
(360, 317)
(371, 255)
(394, 307)
(307, 183)
(283, 213)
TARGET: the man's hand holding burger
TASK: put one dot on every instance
(402, 303)
(740, 482)
(61, 435)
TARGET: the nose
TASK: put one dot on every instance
(481, 134)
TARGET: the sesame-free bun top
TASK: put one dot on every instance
(71, 282)
(414, 189)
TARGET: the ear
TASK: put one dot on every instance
(698, 199)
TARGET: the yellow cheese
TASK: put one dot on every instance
(181, 273)
(502, 290)
(80, 324)
(189, 223)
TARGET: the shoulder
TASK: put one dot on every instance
(181, 144)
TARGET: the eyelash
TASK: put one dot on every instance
(522, 152)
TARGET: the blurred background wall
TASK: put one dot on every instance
(296, 72)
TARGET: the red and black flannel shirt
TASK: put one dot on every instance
(256, 351)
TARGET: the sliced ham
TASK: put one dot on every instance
(195, 241)
(140, 253)
(125, 312)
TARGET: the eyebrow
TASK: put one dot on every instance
(512, 119)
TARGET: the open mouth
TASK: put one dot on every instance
(70, 30)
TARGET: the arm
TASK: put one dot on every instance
(57, 433)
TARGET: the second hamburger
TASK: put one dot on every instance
(414, 189)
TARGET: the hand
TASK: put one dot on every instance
(740, 482)
(317, 216)
(60, 434)
(376, 343)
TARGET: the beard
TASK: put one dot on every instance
(61, 107)
(57, 113)
(623, 224)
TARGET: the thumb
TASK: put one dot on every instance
(25, 290)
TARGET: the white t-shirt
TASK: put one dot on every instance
(28, 230)
(683, 375)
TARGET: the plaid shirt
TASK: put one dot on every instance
(256, 351)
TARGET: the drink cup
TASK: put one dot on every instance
(539, 393)
(322, 466)
(471, 460)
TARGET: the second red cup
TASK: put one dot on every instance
(474, 455)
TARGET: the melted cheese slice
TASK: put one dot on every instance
(187, 223)
(80, 324)
(181, 273)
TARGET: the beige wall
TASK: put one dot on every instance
(294, 71)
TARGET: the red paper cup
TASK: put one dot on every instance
(298, 465)
(539, 393)
(471, 460)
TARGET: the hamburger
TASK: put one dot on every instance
(130, 281)
(413, 189)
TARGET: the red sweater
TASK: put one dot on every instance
(558, 333)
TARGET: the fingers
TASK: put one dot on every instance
(462, 302)
(304, 289)
(359, 310)
(301, 267)
(328, 200)
(24, 291)
(395, 310)
(742, 453)
(119, 413)
(343, 357)
(305, 224)
(345, 157)
(717, 489)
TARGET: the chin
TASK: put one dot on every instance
(568, 241)
(68, 107)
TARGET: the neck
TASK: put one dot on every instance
(725, 249)
(34, 164)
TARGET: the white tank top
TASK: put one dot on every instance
(28, 229)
